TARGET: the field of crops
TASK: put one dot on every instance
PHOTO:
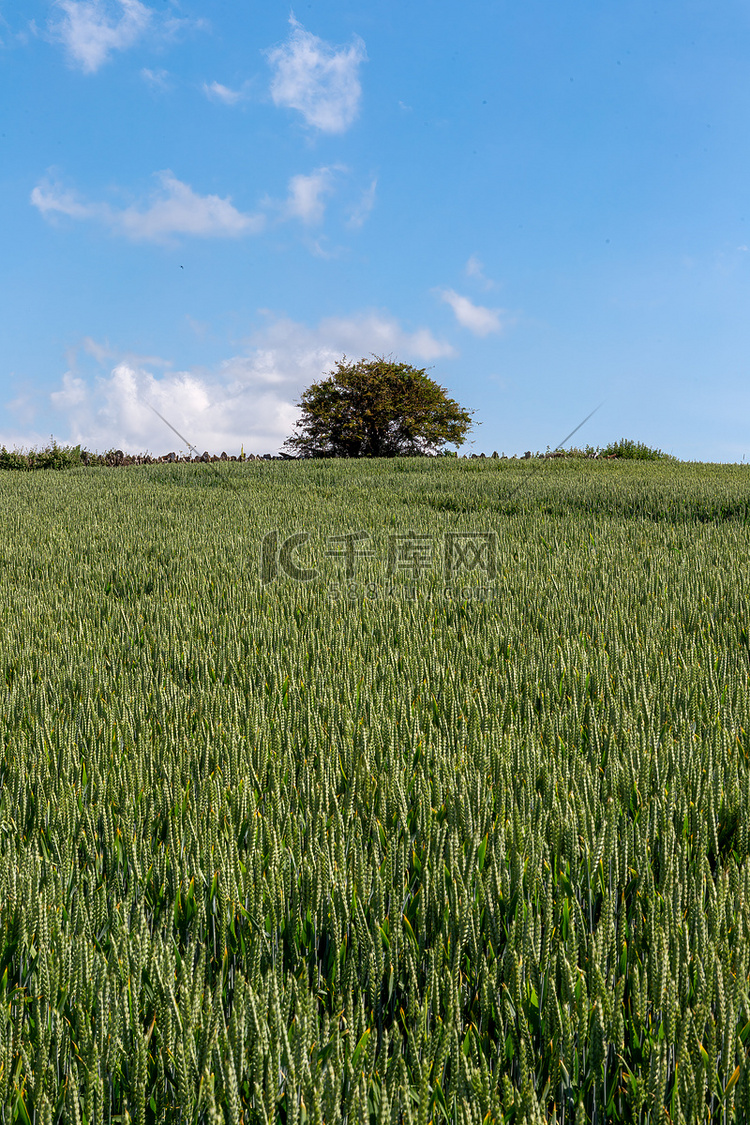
(399, 791)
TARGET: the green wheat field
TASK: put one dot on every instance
(437, 812)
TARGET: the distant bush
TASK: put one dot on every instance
(634, 451)
(53, 456)
(587, 451)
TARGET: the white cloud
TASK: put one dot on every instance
(91, 30)
(23, 406)
(51, 199)
(10, 38)
(360, 213)
(381, 334)
(100, 352)
(156, 79)
(218, 93)
(174, 209)
(477, 318)
(248, 399)
(474, 268)
(73, 392)
(172, 27)
(317, 79)
(305, 199)
(181, 211)
(24, 439)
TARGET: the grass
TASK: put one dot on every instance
(391, 847)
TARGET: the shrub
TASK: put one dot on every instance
(634, 451)
(377, 408)
(53, 456)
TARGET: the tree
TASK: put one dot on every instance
(377, 408)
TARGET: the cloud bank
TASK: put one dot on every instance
(248, 399)
(318, 80)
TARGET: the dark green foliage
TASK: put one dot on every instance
(53, 456)
(377, 408)
(634, 451)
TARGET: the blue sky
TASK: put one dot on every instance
(205, 205)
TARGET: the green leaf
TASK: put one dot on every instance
(410, 932)
(361, 1047)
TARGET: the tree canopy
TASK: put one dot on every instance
(377, 408)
